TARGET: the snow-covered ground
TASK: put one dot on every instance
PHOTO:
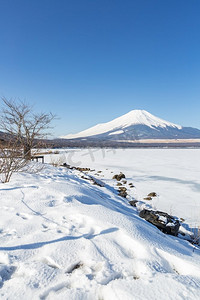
(174, 174)
(63, 238)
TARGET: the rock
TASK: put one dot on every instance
(86, 178)
(67, 166)
(93, 180)
(133, 202)
(118, 177)
(124, 181)
(153, 194)
(166, 223)
(148, 198)
(75, 267)
(82, 169)
(122, 188)
(119, 183)
(97, 182)
(131, 185)
(123, 194)
(122, 191)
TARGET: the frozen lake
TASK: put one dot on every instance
(174, 174)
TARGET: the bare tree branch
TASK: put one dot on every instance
(18, 120)
(24, 130)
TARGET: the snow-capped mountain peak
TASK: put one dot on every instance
(142, 117)
(117, 126)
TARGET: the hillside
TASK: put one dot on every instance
(64, 238)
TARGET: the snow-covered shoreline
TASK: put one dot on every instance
(64, 238)
(174, 174)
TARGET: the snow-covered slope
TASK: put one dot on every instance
(63, 238)
(137, 124)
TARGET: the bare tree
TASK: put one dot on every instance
(11, 160)
(22, 125)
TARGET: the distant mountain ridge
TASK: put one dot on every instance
(136, 125)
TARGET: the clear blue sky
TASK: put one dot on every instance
(90, 61)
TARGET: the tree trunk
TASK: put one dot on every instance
(27, 152)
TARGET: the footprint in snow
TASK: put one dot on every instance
(6, 270)
(23, 216)
(68, 199)
(6, 273)
(101, 272)
(45, 227)
(51, 203)
(8, 232)
(83, 225)
(50, 226)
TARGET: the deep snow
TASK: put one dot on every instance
(63, 238)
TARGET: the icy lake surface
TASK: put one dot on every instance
(174, 174)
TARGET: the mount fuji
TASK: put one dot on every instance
(136, 125)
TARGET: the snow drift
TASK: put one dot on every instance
(63, 238)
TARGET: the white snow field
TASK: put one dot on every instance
(61, 237)
(174, 174)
